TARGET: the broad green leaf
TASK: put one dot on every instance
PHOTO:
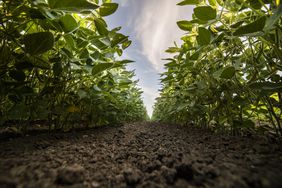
(70, 41)
(272, 20)
(101, 67)
(126, 44)
(237, 24)
(38, 43)
(205, 13)
(118, 38)
(108, 8)
(254, 27)
(72, 5)
(185, 25)
(266, 86)
(101, 26)
(68, 23)
(204, 36)
(228, 73)
(189, 2)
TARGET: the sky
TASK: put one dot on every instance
(151, 25)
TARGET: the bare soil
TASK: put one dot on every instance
(140, 155)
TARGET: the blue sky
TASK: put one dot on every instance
(151, 25)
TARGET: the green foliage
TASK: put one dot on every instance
(58, 64)
(205, 13)
(108, 8)
(227, 73)
(72, 5)
(38, 43)
(185, 25)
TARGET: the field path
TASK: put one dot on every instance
(140, 155)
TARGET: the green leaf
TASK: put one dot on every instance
(254, 27)
(205, 13)
(185, 25)
(228, 73)
(38, 43)
(72, 5)
(101, 67)
(272, 20)
(118, 38)
(173, 50)
(126, 61)
(68, 23)
(237, 24)
(70, 41)
(266, 86)
(126, 44)
(189, 2)
(101, 26)
(204, 36)
(108, 8)
(99, 44)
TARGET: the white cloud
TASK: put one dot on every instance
(156, 29)
(123, 3)
(149, 94)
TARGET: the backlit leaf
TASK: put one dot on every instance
(68, 23)
(101, 67)
(185, 25)
(204, 36)
(189, 2)
(228, 73)
(38, 43)
(254, 27)
(205, 13)
(108, 8)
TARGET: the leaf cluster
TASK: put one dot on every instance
(58, 62)
(227, 73)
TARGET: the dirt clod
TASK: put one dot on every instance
(185, 171)
(70, 175)
(131, 176)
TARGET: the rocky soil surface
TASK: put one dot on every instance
(140, 155)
